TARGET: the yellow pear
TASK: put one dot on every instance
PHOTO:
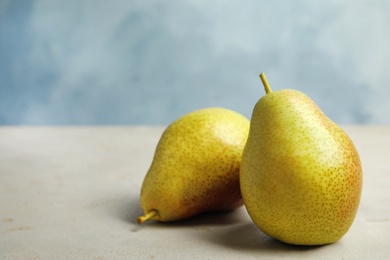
(195, 168)
(300, 176)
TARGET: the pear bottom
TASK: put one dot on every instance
(302, 214)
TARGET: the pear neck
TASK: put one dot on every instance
(267, 87)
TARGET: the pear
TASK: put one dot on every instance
(301, 175)
(195, 168)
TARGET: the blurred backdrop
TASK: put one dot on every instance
(95, 62)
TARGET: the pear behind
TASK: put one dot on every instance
(196, 164)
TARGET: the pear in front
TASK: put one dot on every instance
(301, 175)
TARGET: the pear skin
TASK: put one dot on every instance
(301, 175)
(195, 168)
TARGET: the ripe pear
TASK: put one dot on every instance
(195, 168)
(300, 176)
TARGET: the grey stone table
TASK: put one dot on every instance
(72, 193)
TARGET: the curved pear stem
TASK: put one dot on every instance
(147, 216)
(265, 83)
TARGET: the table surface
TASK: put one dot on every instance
(73, 193)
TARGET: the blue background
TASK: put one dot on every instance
(147, 62)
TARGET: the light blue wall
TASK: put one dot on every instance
(148, 62)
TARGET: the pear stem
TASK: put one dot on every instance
(147, 216)
(265, 83)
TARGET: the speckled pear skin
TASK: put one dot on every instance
(301, 176)
(196, 164)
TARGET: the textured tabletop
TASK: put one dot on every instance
(73, 192)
